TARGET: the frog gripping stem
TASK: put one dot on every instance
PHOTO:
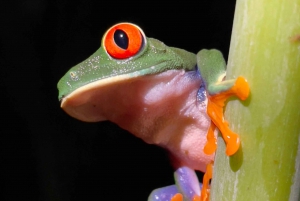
(88, 93)
(215, 107)
(212, 67)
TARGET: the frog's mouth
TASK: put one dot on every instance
(105, 99)
(67, 85)
(82, 102)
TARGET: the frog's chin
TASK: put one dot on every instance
(81, 103)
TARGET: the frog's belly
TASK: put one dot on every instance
(161, 109)
(187, 140)
(166, 112)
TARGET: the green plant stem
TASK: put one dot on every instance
(265, 49)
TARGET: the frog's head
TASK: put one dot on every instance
(125, 53)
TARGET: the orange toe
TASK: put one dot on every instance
(196, 198)
(177, 197)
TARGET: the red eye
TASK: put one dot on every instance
(123, 40)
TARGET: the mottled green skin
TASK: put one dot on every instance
(155, 57)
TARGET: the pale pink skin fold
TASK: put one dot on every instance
(161, 109)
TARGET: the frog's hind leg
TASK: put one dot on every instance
(187, 187)
(187, 183)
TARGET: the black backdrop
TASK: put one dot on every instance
(47, 155)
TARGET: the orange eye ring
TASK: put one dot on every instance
(123, 40)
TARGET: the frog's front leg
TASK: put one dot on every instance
(187, 187)
(212, 67)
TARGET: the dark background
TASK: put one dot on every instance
(47, 155)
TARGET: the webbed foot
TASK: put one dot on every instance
(215, 107)
(212, 68)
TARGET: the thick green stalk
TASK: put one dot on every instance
(265, 49)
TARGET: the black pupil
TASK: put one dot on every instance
(121, 39)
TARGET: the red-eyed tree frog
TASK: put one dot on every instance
(163, 95)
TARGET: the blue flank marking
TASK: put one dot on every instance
(201, 95)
